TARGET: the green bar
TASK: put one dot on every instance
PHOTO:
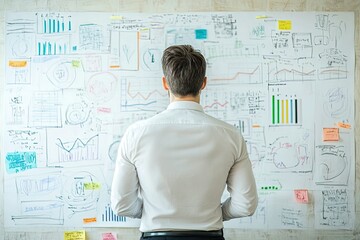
(278, 111)
(273, 109)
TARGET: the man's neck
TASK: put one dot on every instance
(185, 98)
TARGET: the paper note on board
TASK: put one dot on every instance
(331, 134)
(17, 64)
(109, 236)
(89, 220)
(301, 195)
(284, 25)
(344, 125)
(75, 235)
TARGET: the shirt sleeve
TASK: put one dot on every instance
(125, 184)
(241, 185)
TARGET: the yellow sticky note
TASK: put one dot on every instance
(331, 134)
(301, 195)
(91, 186)
(75, 63)
(344, 125)
(17, 64)
(116, 17)
(261, 17)
(75, 235)
(284, 25)
(89, 220)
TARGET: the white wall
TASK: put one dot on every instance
(185, 6)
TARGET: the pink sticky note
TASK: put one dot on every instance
(109, 236)
(301, 195)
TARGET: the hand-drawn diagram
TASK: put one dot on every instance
(290, 152)
(336, 209)
(332, 165)
(74, 82)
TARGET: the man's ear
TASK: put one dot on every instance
(204, 83)
(165, 84)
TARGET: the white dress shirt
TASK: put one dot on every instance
(172, 169)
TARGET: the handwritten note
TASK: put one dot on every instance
(344, 125)
(284, 25)
(17, 64)
(75, 63)
(20, 161)
(75, 235)
(201, 33)
(89, 220)
(109, 236)
(91, 186)
(301, 195)
(331, 134)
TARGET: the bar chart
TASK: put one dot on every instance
(285, 110)
(109, 215)
(54, 23)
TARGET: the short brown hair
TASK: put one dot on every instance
(184, 69)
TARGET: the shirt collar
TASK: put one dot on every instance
(190, 105)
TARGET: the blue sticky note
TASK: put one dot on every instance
(201, 34)
(20, 161)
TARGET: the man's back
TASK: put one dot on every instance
(183, 157)
(172, 169)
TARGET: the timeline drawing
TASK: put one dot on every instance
(75, 81)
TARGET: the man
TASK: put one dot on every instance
(172, 169)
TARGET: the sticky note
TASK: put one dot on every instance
(301, 195)
(91, 186)
(74, 235)
(331, 134)
(20, 161)
(284, 25)
(17, 64)
(116, 17)
(261, 17)
(344, 125)
(89, 220)
(109, 236)
(75, 63)
(201, 34)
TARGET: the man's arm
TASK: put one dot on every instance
(125, 185)
(242, 188)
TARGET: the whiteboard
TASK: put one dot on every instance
(75, 81)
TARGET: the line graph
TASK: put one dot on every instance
(78, 150)
(142, 94)
(215, 104)
(277, 73)
(243, 74)
(333, 73)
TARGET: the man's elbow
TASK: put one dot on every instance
(252, 206)
(126, 209)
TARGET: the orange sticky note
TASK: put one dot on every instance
(301, 195)
(284, 25)
(344, 125)
(17, 64)
(89, 220)
(331, 134)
